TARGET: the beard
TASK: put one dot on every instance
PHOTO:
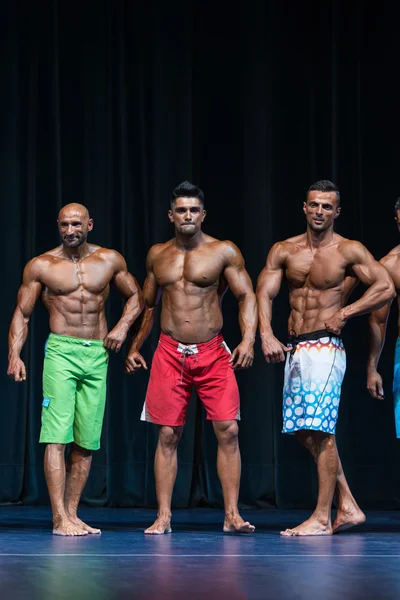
(75, 242)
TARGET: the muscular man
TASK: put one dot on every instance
(377, 332)
(192, 272)
(321, 268)
(74, 281)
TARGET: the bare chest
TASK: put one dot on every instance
(67, 277)
(322, 270)
(199, 268)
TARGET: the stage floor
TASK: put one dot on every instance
(196, 561)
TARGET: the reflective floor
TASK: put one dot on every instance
(197, 560)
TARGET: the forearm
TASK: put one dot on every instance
(144, 326)
(132, 309)
(377, 333)
(377, 296)
(17, 334)
(265, 317)
(248, 318)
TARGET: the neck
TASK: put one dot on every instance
(318, 239)
(76, 254)
(189, 242)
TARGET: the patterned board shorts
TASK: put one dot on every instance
(314, 372)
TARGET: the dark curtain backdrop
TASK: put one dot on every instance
(111, 104)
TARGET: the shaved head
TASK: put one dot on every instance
(74, 224)
(74, 209)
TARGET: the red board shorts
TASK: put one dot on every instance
(177, 367)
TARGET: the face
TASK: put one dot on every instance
(397, 219)
(74, 226)
(187, 214)
(321, 209)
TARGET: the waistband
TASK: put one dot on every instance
(166, 340)
(66, 339)
(295, 339)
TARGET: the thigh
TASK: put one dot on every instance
(59, 394)
(216, 385)
(91, 401)
(168, 390)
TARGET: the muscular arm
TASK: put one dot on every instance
(377, 332)
(128, 287)
(240, 284)
(151, 295)
(28, 294)
(268, 285)
(379, 293)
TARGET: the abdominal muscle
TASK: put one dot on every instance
(191, 318)
(311, 308)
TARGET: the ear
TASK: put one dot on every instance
(170, 216)
(204, 214)
(90, 225)
(339, 208)
(304, 207)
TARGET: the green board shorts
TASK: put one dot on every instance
(74, 391)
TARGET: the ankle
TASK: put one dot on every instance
(58, 519)
(230, 513)
(164, 514)
(323, 519)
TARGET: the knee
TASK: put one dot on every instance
(55, 449)
(169, 438)
(78, 450)
(227, 433)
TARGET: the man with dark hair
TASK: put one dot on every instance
(324, 185)
(74, 282)
(377, 332)
(187, 190)
(321, 268)
(192, 272)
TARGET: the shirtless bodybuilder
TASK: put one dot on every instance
(192, 273)
(321, 268)
(74, 281)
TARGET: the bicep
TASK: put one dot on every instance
(238, 280)
(151, 290)
(126, 284)
(270, 278)
(28, 295)
(367, 269)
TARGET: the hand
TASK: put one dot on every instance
(375, 385)
(133, 362)
(242, 356)
(16, 369)
(114, 340)
(274, 350)
(336, 323)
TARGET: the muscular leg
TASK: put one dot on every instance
(78, 467)
(348, 511)
(228, 466)
(328, 465)
(54, 470)
(165, 470)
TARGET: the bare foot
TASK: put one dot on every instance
(235, 524)
(348, 518)
(310, 527)
(160, 526)
(68, 528)
(84, 526)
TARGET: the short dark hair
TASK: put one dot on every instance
(396, 207)
(187, 190)
(324, 185)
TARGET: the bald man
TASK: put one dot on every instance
(74, 281)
